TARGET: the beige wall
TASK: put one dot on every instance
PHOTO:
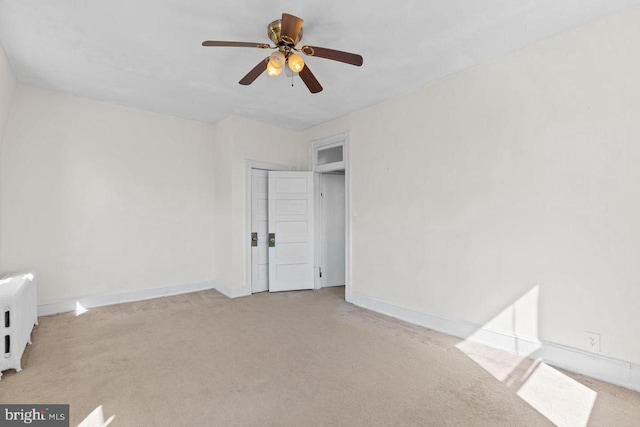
(517, 173)
(8, 86)
(240, 140)
(101, 198)
(222, 255)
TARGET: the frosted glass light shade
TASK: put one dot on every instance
(277, 59)
(296, 63)
(273, 71)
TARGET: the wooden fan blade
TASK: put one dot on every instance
(255, 72)
(310, 80)
(234, 44)
(336, 55)
(290, 28)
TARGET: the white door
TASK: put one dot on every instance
(290, 231)
(259, 226)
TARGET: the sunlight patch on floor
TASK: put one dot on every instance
(96, 419)
(498, 363)
(512, 334)
(564, 401)
(506, 343)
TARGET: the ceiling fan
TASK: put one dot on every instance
(286, 33)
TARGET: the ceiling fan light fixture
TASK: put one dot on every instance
(277, 59)
(296, 63)
(273, 71)
(286, 33)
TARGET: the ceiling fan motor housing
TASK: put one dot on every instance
(273, 31)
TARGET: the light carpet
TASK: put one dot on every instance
(288, 359)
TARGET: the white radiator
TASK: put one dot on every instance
(19, 308)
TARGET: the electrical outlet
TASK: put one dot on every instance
(593, 341)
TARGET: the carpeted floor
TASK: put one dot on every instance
(287, 359)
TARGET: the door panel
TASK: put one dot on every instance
(291, 219)
(260, 224)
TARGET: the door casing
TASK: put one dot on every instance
(314, 146)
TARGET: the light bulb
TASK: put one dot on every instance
(273, 71)
(296, 63)
(277, 59)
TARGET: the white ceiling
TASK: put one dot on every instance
(147, 54)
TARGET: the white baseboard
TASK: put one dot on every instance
(99, 300)
(603, 368)
(596, 366)
(233, 292)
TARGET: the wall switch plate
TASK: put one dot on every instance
(593, 341)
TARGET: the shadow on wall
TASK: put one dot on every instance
(513, 338)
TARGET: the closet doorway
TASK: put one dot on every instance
(329, 161)
(331, 229)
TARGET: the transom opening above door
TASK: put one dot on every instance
(328, 154)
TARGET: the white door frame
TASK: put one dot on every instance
(246, 237)
(339, 139)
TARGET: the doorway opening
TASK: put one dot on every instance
(329, 159)
(324, 210)
(331, 229)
